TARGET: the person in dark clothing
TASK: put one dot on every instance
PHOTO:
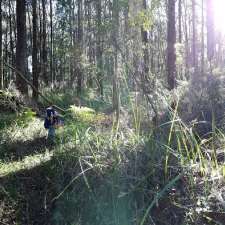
(51, 122)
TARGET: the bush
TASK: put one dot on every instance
(202, 104)
(9, 102)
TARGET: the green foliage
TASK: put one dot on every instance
(202, 103)
(99, 176)
(25, 117)
(6, 119)
(143, 19)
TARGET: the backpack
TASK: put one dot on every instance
(50, 113)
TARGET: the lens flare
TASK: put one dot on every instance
(219, 13)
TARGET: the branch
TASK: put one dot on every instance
(33, 87)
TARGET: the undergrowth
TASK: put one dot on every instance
(95, 174)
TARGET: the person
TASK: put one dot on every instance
(51, 122)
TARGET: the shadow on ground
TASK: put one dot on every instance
(25, 197)
(18, 150)
(115, 197)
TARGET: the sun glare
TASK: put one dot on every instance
(219, 12)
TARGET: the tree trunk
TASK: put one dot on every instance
(99, 47)
(21, 45)
(5, 58)
(51, 44)
(171, 39)
(145, 49)
(71, 23)
(1, 65)
(179, 20)
(203, 39)
(91, 56)
(194, 37)
(11, 30)
(80, 46)
(44, 47)
(210, 30)
(35, 51)
(116, 97)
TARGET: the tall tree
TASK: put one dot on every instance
(202, 38)
(11, 20)
(179, 20)
(115, 30)
(21, 45)
(91, 51)
(44, 43)
(35, 50)
(99, 46)
(80, 45)
(145, 44)
(210, 29)
(194, 45)
(1, 65)
(51, 44)
(171, 39)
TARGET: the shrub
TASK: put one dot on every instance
(202, 103)
(9, 102)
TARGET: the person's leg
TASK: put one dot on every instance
(51, 133)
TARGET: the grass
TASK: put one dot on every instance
(96, 176)
(27, 163)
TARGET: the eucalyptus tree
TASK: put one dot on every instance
(115, 32)
(35, 50)
(99, 46)
(194, 37)
(145, 41)
(21, 45)
(210, 30)
(44, 44)
(1, 63)
(171, 40)
(79, 45)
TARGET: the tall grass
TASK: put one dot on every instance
(105, 178)
(89, 160)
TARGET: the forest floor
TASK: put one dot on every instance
(94, 175)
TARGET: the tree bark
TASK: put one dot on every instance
(44, 46)
(1, 65)
(210, 30)
(116, 96)
(179, 20)
(11, 30)
(194, 37)
(21, 45)
(35, 51)
(203, 39)
(80, 46)
(171, 39)
(91, 56)
(99, 47)
(145, 49)
(51, 44)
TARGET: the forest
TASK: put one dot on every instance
(112, 112)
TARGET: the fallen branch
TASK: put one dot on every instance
(33, 87)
